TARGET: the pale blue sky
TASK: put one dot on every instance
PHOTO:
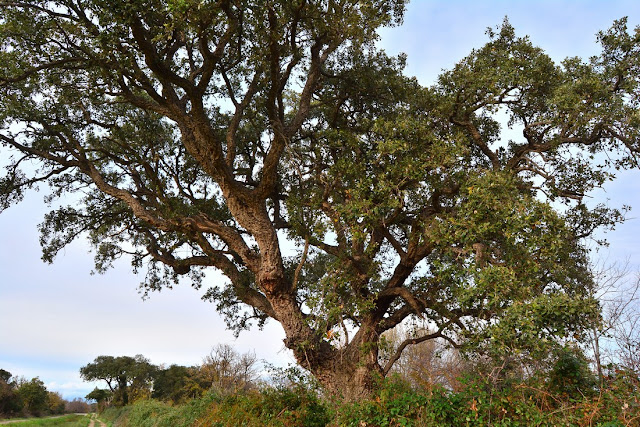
(56, 318)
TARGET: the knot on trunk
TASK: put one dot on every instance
(270, 285)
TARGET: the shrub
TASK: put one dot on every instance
(481, 401)
(570, 374)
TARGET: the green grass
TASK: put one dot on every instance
(72, 420)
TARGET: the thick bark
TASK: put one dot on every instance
(348, 379)
(349, 373)
(123, 389)
(350, 376)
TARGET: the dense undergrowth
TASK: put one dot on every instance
(481, 402)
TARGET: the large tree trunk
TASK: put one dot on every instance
(347, 378)
(123, 391)
(350, 373)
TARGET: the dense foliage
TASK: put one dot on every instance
(124, 375)
(483, 401)
(197, 134)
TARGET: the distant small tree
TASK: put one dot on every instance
(617, 338)
(627, 337)
(174, 383)
(124, 375)
(55, 403)
(101, 396)
(225, 369)
(78, 406)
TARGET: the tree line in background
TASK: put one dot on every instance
(22, 397)
(133, 378)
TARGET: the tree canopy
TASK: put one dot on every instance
(196, 135)
(34, 395)
(124, 375)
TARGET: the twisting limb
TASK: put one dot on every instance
(413, 341)
(296, 274)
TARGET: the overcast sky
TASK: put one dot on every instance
(56, 318)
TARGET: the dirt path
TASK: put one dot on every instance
(94, 420)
